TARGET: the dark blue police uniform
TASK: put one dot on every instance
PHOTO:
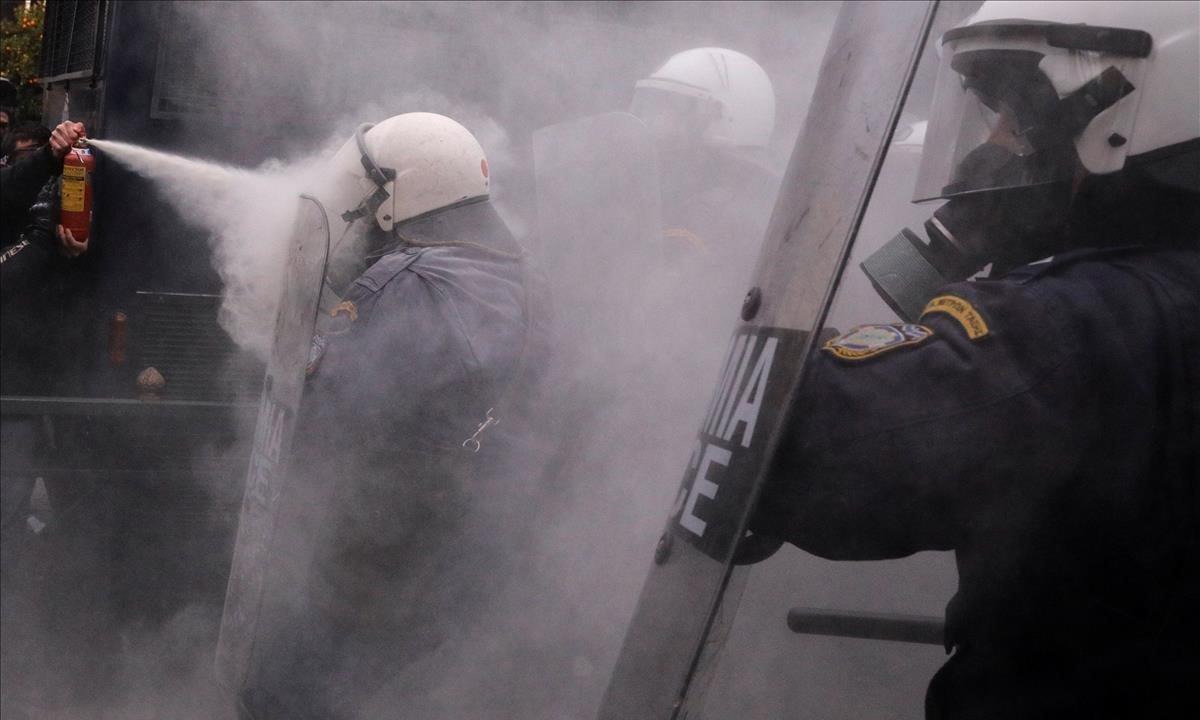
(1045, 426)
(408, 530)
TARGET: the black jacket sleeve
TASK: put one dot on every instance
(25, 264)
(21, 181)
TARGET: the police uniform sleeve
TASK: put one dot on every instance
(906, 436)
(405, 362)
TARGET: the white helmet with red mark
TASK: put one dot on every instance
(405, 166)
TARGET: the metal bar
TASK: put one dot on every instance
(62, 77)
(153, 294)
(71, 35)
(118, 474)
(102, 15)
(867, 626)
(32, 405)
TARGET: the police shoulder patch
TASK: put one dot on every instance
(867, 341)
(962, 311)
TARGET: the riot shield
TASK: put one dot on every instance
(267, 474)
(690, 596)
(598, 229)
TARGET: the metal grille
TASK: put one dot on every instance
(180, 87)
(193, 73)
(73, 31)
(178, 334)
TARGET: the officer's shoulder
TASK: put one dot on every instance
(1037, 270)
(1095, 261)
(1014, 302)
(1077, 281)
(388, 268)
(1026, 287)
(392, 270)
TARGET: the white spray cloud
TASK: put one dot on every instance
(248, 215)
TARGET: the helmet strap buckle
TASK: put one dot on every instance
(368, 207)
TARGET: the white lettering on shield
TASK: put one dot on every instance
(702, 486)
(735, 407)
(265, 456)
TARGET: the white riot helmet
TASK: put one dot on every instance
(1041, 113)
(1028, 92)
(720, 96)
(405, 166)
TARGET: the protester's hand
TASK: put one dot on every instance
(68, 245)
(64, 137)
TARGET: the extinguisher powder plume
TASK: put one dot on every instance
(247, 214)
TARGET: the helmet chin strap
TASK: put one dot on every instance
(381, 176)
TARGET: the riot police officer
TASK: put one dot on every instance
(411, 477)
(711, 112)
(1043, 421)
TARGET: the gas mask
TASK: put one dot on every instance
(1003, 228)
(1002, 150)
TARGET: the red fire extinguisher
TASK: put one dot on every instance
(76, 207)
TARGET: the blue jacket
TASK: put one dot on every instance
(397, 530)
(427, 341)
(1045, 426)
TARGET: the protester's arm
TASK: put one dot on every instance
(26, 263)
(21, 181)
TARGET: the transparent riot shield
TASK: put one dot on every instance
(691, 595)
(267, 474)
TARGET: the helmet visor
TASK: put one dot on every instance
(672, 114)
(1012, 117)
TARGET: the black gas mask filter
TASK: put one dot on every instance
(1003, 228)
(908, 270)
(1007, 202)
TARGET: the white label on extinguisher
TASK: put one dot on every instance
(73, 181)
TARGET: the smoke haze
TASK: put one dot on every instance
(291, 81)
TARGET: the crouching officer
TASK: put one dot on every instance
(413, 470)
(1044, 422)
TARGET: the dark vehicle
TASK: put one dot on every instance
(132, 465)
